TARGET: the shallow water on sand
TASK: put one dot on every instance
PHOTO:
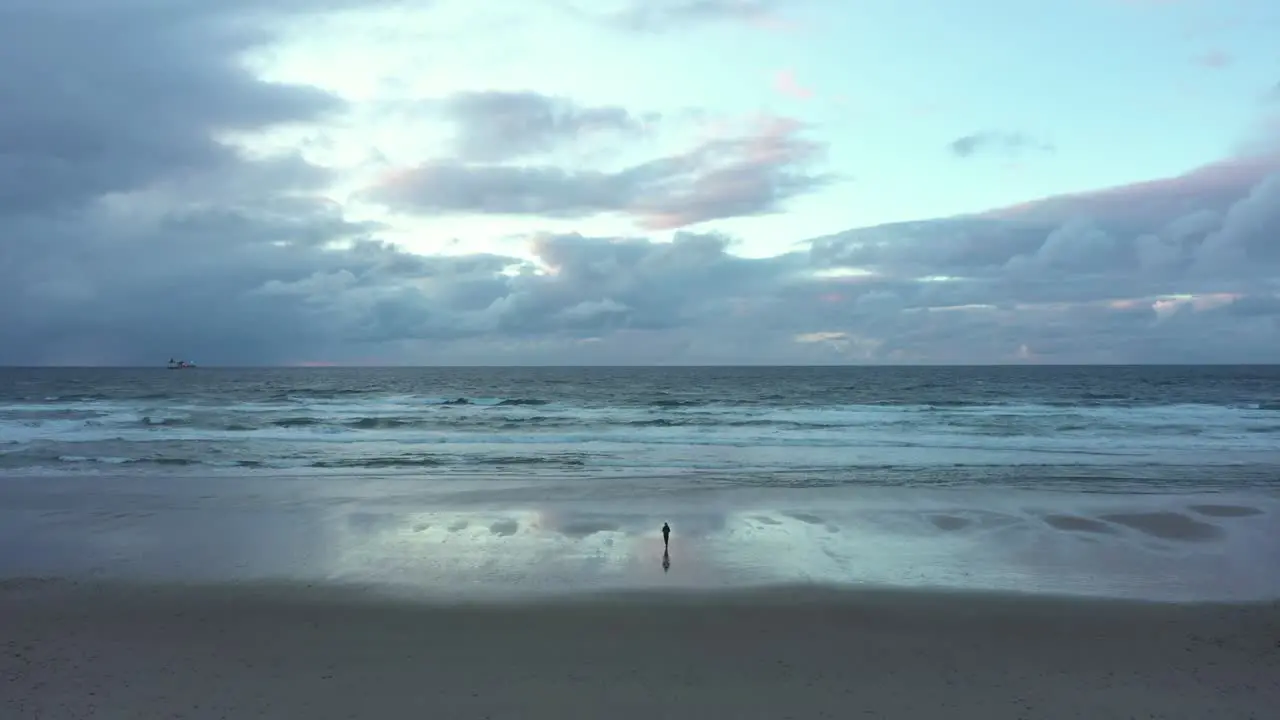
(507, 537)
(1143, 482)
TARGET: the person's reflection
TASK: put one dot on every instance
(666, 561)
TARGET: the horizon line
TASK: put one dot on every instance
(337, 366)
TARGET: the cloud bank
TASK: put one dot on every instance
(133, 229)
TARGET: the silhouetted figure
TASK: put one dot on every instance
(666, 535)
(666, 561)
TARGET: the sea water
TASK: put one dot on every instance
(1154, 482)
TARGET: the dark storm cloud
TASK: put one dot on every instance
(494, 126)
(995, 142)
(753, 174)
(219, 283)
(110, 96)
(127, 230)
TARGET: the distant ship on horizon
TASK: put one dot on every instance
(180, 364)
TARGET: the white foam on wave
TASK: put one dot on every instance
(289, 434)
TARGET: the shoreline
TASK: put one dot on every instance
(54, 589)
(805, 651)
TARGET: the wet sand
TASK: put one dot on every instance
(77, 650)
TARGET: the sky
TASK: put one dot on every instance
(530, 182)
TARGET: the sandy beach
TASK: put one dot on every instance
(74, 650)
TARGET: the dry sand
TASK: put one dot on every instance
(78, 651)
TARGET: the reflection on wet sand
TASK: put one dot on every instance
(1146, 546)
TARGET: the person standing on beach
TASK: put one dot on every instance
(666, 535)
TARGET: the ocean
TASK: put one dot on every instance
(1131, 481)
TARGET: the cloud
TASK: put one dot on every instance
(494, 126)
(1147, 204)
(995, 142)
(1214, 59)
(113, 96)
(124, 216)
(227, 286)
(785, 83)
(132, 229)
(754, 173)
(975, 289)
(663, 15)
(596, 284)
(1140, 273)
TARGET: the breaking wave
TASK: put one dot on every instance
(936, 425)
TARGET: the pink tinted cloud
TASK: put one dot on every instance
(1153, 201)
(739, 167)
(775, 141)
(753, 173)
(785, 82)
